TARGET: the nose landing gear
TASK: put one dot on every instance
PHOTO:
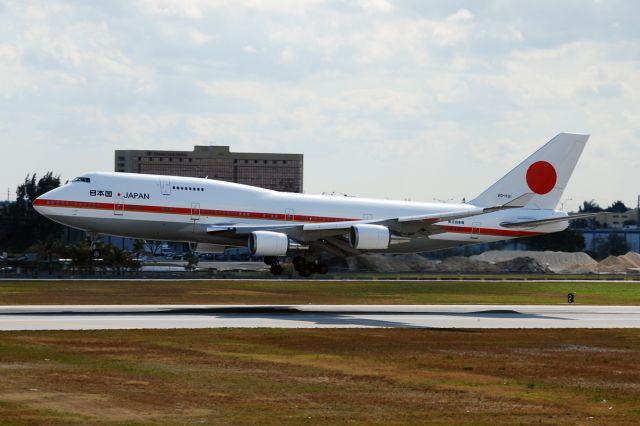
(94, 250)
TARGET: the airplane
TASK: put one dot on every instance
(214, 215)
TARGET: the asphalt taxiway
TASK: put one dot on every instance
(112, 317)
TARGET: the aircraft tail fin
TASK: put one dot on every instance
(545, 173)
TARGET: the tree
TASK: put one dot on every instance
(589, 207)
(20, 225)
(138, 248)
(614, 244)
(154, 246)
(567, 240)
(192, 261)
(79, 255)
(115, 258)
(617, 207)
(47, 250)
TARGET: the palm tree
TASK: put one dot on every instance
(47, 249)
(138, 249)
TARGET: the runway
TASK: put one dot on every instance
(113, 317)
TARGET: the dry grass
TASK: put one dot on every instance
(384, 376)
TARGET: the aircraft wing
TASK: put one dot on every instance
(403, 225)
(539, 222)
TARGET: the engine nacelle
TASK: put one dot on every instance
(267, 243)
(206, 248)
(369, 237)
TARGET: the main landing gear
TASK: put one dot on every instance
(275, 267)
(305, 268)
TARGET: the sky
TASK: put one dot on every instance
(411, 99)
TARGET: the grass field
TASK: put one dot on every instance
(339, 376)
(318, 292)
(321, 377)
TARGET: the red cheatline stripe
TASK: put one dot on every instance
(140, 208)
(489, 231)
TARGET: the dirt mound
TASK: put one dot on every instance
(465, 265)
(390, 263)
(497, 262)
(632, 258)
(617, 264)
(579, 269)
(522, 265)
(556, 261)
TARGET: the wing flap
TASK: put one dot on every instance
(539, 222)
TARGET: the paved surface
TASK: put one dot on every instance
(541, 278)
(86, 317)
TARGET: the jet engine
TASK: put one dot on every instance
(268, 243)
(206, 248)
(369, 237)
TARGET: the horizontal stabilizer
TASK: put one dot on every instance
(518, 202)
(538, 222)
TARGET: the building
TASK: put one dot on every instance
(280, 172)
(616, 220)
(593, 236)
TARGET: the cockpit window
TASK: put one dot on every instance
(82, 179)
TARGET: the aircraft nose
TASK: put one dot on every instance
(40, 202)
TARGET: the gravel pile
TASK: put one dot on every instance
(555, 261)
(522, 265)
(390, 263)
(619, 264)
(458, 264)
(497, 262)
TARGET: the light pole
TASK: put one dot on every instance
(562, 203)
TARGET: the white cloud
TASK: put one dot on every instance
(199, 38)
(193, 9)
(287, 55)
(454, 29)
(445, 92)
(376, 6)
(249, 49)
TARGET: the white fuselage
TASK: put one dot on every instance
(180, 209)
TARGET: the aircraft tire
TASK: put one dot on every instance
(305, 271)
(298, 262)
(95, 253)
(322, 268)
(276, 269)
(271, 260)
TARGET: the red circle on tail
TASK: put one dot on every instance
(541, 177)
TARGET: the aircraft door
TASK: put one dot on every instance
(195, 211)
(165, 187)
(118, 207)
(475, 230)
(288, 215)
